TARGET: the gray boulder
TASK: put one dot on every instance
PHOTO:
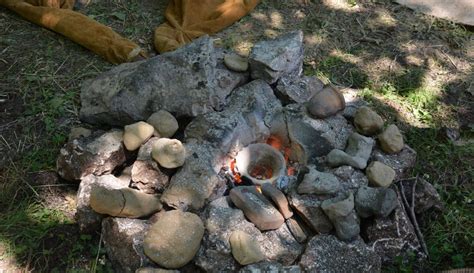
(375, 201)
(272, 59)
(351, 179)
(298, 90)
(356, 154)
(402, 162)
(308, 207)
(123, 240)
(325, 253)
(340, 211)
(133, 91)
(426, 196)
(270, 267)
(100, 153)
(319, 183)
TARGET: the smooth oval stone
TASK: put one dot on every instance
(379, 174)
(367, 122)
(245, 249)
(326, 103)
(136, 134)
(391, 140)
(174, 239)
(164, 123)
(169, 153)
(236, 63)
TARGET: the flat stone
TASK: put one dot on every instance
(174, 239)
(236, 63)
(169, 153)
(391, 140)
(272, 59)
(326, 102)
(121, 202)
(296, 229)
(98, 154)
(309, 208)
(278, 198)
(367, 122)
(164, 123)
(298, 90)
(393, 236)
(256, 207)
(185, 82)
(244, 248)
(148, 177)
(87, 219)
(379, 174)
(375, 201)
(325, 253)
(318, 183)
(136, 134)
(123, 240)
(340, 211)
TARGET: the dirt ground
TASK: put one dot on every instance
(416, 67)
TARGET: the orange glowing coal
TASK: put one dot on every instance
(235, 173)
(261, 172)
(277, 143)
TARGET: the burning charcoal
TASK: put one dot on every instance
(256, 208)
(278, 198)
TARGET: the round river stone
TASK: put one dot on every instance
(174, 239)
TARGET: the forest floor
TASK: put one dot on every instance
(416, 70)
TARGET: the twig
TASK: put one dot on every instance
(94, 268)
(410, 209)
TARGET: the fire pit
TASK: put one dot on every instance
(267, 168)
(261, 163)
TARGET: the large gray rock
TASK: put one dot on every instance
(244, 248)
(174, 239)
(375, 201)
(351, 179)
(426, 196)
(299, 90)
(308, 207)
(185, 82)
(99, 153)
(210, 138)
(391, 140)
(87, 219)
(147, 176)
(340, 211)
(123, 240)
(319, 183)
(278, 199)
(221, 220)
(379, 174)
(325, 253)
(393, 236)
(270, 60)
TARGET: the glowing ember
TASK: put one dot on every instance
(261, 172)
(259, 188)
(235, 173)
(276, 143)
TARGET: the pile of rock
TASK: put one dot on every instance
(161, 203)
